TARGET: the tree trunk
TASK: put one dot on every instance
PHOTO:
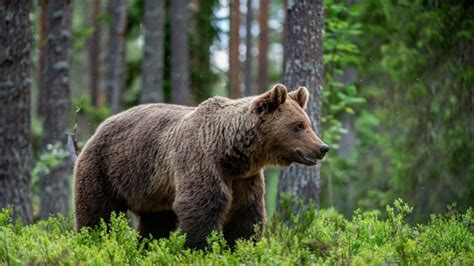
(117, 10)
(202, 36)
(179, 52)
(304, 67)
(152, 68)
(234, 63)
(285, 31)
(54, 188)
(94, 50)
(15, 128)
(248, 52)
(263, 48)
(41, 59)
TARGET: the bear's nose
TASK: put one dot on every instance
(324, 149)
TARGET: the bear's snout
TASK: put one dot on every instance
(323, 150)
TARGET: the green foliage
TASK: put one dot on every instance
(93, 115)
(417, 72)
(340, 53)
(414, 135)
(314, 237)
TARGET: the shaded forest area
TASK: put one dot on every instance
(391, 84)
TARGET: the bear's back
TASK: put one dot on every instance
(131, 149)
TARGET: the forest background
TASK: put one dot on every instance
(397, 91)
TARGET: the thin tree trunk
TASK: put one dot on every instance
(179, 52)
(263, 47)
(285, 31)
(248, 52)
(15, 128)
(347, 144)
(234, 63)
(54, 188)
(116, 54)
(304, 67)
(94, 50)
(152, 68)
(41, 58)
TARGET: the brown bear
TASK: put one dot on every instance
(196, 168)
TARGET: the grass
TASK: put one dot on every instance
(313, 237)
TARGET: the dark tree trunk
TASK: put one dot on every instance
(234, 63)
(179, 52)
(248, 52)
(117, 10)
(54, 188)
(263, 47)
(152, 68)
(41, 59)
(15, 127)
(94, 50)
(304, 67)
(285, 31)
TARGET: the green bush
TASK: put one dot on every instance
(312, 237)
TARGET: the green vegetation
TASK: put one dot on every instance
(413, 135)
(314, 237)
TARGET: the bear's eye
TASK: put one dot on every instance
(298, 127)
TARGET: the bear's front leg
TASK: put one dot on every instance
(201, 206)
(248, 208)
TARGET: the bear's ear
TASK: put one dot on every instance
(269, 101)
(301, 96)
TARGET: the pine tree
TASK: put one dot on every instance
(15, 129)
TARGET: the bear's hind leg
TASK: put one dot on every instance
(93, 200)
(157, 224)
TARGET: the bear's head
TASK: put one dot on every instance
(288, 134)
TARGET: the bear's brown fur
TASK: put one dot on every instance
(199, 168)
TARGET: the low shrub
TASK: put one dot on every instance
(311, 237)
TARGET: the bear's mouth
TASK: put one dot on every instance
(305, 159)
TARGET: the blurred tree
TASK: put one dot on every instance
(263, 47)
(304, 67)
(54, 188)
(41, 45)
(15, 128)
(203, 34)
(234, 42)
(117, 10)
(418, 72)
(153, 57)
(94, 51)
(248, 48)
(179, 52)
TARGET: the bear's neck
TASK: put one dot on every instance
(246, 155)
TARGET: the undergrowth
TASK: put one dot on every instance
(313, 237)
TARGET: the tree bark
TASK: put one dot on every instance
(15, 128)
(152, 68)
(234, 63)
(54, 188)
(304, 67)
(41, 58)
(179, 52)
(263, 48)
(94, 51)
(248, 52)
(117, 10)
